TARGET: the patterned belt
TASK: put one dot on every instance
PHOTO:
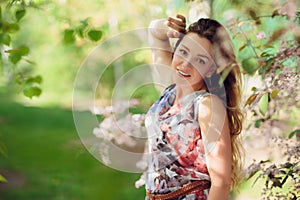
(189, 188)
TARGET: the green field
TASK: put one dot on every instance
(45, 159)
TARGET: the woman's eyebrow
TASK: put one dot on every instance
(185, 47)
(201, 55)
(204, 56)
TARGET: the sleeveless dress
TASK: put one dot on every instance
(175, 150)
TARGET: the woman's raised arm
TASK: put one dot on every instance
(160, 32)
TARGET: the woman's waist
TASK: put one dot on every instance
(162, 183)
(192, 187)
(169, 173)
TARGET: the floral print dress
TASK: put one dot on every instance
(176, 153)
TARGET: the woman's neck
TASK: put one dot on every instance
(183, 91)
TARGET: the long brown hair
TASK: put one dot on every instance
(229, 89)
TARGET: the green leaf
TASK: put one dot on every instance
(15, 55)
(295, 132)
(257, 123)
(250, 65)
(10, 27)
(275, 13)
(276, 35)
(69, 36)
(14, 58)
(18, 79)
(251, 99)
(263, 103)
(82, 28)
(274, 94)
(264, 161)
(284, 179)
(242, 47)
(80, 32)
(225, 73)
(297, 38)
(5, 39)
(85, 22)
(265, 54)
(253, 89)
(95, 35)
(2, 178)
(23, 50)
(29, 61)
(276, 182)
(20, 14)
(266, 67)
(35, 79)
(252, 14)
(32, 91)
(288, 165)
(252, 174)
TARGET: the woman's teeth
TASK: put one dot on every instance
(183, 74)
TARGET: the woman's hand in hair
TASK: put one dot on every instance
(160, 33)
(177, 26)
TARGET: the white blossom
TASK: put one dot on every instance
(261, 35)
(141, 181)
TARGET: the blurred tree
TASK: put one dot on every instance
(267, 36)
(15, 65)
(59, 34)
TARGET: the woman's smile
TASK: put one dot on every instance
(183, 74)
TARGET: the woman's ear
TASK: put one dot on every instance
(211, 71)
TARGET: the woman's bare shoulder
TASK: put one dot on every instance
(210, 104)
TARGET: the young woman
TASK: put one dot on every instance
(193, 127)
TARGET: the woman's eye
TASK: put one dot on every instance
(182, 52)
(201, 61)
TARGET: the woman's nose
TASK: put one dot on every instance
(186, 62)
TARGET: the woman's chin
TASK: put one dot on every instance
(183, 84)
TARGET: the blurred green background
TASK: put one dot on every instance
(42, 155)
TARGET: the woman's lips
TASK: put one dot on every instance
(181, 73)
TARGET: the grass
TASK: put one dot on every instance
(46, 161)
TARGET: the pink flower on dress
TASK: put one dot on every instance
(191, 146)
(165, 128)
(176, 108)
(172, 139)
(193, 156)
(200, 146)
(197, 133)
(187, 160)
(180, 171)
(201, 166)
(188, 131)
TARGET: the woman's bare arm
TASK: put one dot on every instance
(159, 42)
(213, 122)
(160, 32)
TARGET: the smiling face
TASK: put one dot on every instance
(193, 61)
